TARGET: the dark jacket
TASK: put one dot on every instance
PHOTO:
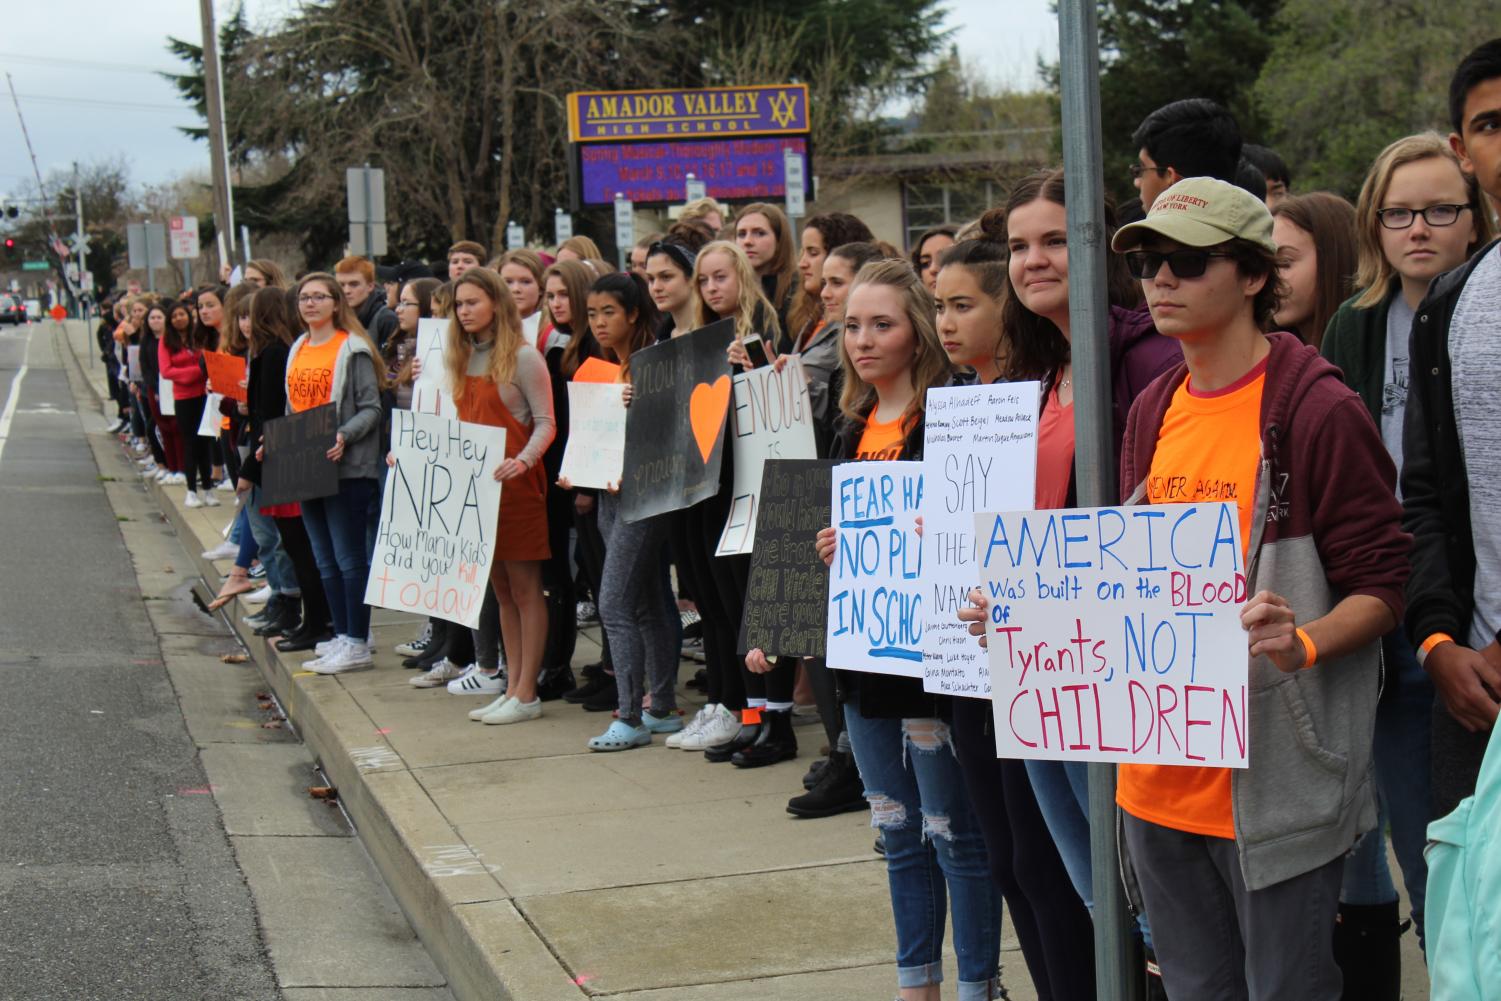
(377, 318)
(151, 366)
(884, 696)
(1356, 343)
(1435, 486)
(1138, 355)
(1326, 524)
(265, 398)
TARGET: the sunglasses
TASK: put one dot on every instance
(1185, 263)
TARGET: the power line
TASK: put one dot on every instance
(98, 103)
(88, 63)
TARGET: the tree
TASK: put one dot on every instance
(962, 111)
(1347, 77)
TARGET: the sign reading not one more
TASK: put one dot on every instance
(604, 116)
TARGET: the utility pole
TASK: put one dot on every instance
(80, 241)
(213, 93)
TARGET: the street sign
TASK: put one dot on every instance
(184, 236)
(515, 236)
(797, 204)
(625, 227)
(366, 187)
(147, 243)
(694, 188)
(562, 226)
(35, 266)
(80, 244)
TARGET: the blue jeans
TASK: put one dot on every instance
(935, 855)
(1062, 791)
(239, 533)
(1403, 787)
(273, 556)
(336, 528)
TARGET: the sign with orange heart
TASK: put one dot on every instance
(674, 427)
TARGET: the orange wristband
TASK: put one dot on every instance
(1430, 643)
(1310, 652)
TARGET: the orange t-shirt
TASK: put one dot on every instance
(310, 375)
(1209, 449)
(1055, 453)
(881, 440)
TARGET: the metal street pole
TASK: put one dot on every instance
(213, 87)
(80, 247)
(369, 213)
(1118, 978)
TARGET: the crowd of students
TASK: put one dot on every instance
(1292, 349)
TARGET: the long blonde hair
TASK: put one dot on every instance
(751, 294)
(344, 319)
(930, 365)
(505, 329)
(1373, 272)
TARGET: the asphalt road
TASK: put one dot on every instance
(116, 876)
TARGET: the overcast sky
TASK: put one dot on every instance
(83, 72)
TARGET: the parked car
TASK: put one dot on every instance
(12, 309)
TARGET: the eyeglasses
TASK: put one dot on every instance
(1185, 263)
(406, 305)
(1433, 215)
(1137, 169)
(314, 297)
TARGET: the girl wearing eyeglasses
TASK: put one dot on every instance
(1418, 216)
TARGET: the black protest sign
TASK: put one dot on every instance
(674, 428)
(787, 598)
(297, 466)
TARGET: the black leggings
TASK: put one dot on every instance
(557, 580)
(196, 448)
(1052, 924)
(591, 556)
(720, 596)
(299, 549)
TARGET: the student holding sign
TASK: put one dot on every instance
(336, 362)
(180, 364)
(669, 276)
(1240, 871)
(899, 733)
(764, 235)
(498, 379)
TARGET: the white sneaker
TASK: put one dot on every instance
(439, 674)
(225, 550)
(720, 726)
(694, 725)
(227, 485)
(327, 646)
(327, 652)
(478, 715)
(258, 597)
(193, 500)
(161, 474)
(176, 479)
(208, 498)
(352, 656)
(514, 711)
(476, 682)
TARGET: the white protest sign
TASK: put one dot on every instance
(979, 454)
(596, 434)
(1115, 634)
(430, 394)
(771, 418)
(165, 400)
(211, 423)
(133, 362)
(436, 537)
(875, 587)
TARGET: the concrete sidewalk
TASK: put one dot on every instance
(534, 869)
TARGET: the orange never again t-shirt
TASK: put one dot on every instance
(881, 440)
(310, 375)
(1209, 449)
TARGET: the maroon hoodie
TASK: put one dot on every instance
(1326, 525)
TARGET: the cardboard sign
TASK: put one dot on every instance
(771, 418)
(675, 423)
(876, 607)
(597, 370)
(212, 421)
(165, 400)
(595, 453)
(979, 454)
(226, 374)
(430, 391)
(436, 537)
(133, 362)
(297, 466)
(1115, 634)
(785, 602)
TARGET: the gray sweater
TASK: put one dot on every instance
(356, 394)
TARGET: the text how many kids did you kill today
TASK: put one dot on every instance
(1114, 634)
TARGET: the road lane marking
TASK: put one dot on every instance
(15, 395)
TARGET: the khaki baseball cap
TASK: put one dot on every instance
(1202, 212)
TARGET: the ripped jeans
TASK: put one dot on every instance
(935, 854)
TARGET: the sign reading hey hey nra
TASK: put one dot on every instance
(600, 116)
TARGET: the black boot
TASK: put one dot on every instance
(285, 622)
(776, 741)
(810, 777)
(307, 636)
(839, 790)
(1367, 946)
(598, 682)
(269, 612)
(745, 737)
(555, 682)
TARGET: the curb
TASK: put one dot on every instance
(459, 910)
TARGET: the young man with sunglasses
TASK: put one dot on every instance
(1240, 869)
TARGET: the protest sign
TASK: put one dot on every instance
(979, 454)
(430, 392)
(595, 453)
(597, 370)
(297, 466)
(876, 611)
(786, 600)
(164, 396)
(1115, 634)
(770, 418)
(133, 362)
(212, 421)
(436, 537)
(226, 374)
(674, 427)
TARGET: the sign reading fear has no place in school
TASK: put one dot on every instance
(1114, 634)
(436, 537)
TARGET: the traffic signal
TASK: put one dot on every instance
(10, 247)
(12, 211)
